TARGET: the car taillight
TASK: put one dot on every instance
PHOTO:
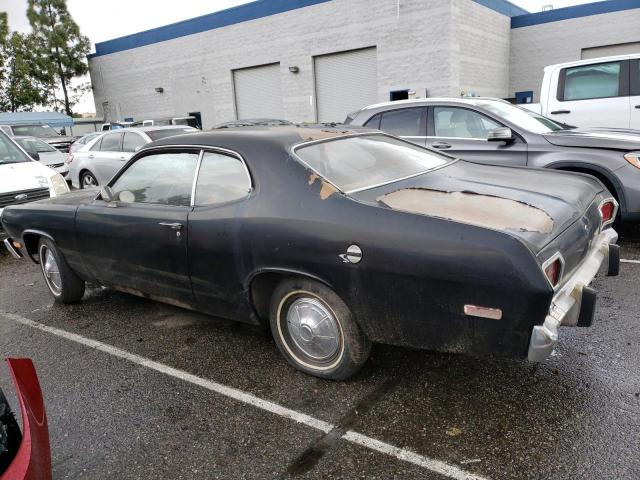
(69, 158)
(607, 211)
(553, 269)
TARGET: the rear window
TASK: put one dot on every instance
(365, 161)
(167, 132)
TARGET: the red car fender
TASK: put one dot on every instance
(33, 459)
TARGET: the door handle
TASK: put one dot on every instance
(440, 145)
(91, 156)
(637, 106)
(560, 112)
(173, 226)
(123, 158)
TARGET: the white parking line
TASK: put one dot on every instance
(624, 260)
(405, 455)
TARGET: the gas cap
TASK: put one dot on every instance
(354, 254)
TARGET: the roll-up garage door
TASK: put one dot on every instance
(345, 82)
(258, 93)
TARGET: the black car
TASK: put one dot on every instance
(338, 238)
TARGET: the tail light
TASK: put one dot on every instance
(69, 158)
(553, 269)
(608, 211)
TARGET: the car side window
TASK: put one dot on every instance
(161, 178)
(96, 146)
(601, 80)
(132, 142)
(374, 122)
(111, 142)
(455, 122)
(406, 122)
(221, 179)
(635, 77)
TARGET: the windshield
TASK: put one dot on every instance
(40, 131)
(9, 153)
(361, 162)
(167, 132)
(35, 145)
(523, 118)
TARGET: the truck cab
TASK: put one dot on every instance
(599, 92)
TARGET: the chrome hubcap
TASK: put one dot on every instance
(313, 328)
(88, 181)
(51, 270)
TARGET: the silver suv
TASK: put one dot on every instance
(493, 131)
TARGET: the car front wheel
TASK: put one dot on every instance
(63, 283)
(88, 180)
(315, 331)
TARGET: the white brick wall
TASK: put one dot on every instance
(535, 47)
(420, 46)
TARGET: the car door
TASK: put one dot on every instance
(138, 241)
(408, 123)
(462, 132)
(634, 98)
(215, 225)
(105, 159)
(594, 95)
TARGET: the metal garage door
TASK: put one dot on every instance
(345, 82)
(258, 93)
(610, 50)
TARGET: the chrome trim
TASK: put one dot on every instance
(549, 261)
(195, 179)
(615, 211)
(363, 134)
(564, 309)
(457, 138)
(12, 251)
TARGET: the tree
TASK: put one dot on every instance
(4, 38)
(59, 36)
(23, 84)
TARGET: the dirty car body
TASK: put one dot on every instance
(425, 250)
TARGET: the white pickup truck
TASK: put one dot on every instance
(600, 92)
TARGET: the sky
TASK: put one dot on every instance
(100, 20)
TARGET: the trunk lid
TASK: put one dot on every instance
(534, 205)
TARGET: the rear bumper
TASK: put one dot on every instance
(574, 304)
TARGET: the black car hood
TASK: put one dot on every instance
(543, 203)
(610, 139)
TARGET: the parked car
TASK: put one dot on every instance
(337, 237)
(115, 126)
(187, 121)
(24, 455)
(82, 141)
(96, 162)
(44, 153)
(22, 179)
(252, 122)
(600, 92)
(494, 131)
(43, 132)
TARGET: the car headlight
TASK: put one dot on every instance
(633, 158)
(58, 185)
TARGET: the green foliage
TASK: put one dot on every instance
(63, 49)
(22, 84)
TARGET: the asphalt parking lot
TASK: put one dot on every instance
(137, 389)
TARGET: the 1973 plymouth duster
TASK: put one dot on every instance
(339, 238)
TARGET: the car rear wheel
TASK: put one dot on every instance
(63, 283)
(315, 331)
(88, 180)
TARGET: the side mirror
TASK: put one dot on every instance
(502, 134)
(34, 155)
(106, 194)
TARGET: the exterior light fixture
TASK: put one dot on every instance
(294, 69)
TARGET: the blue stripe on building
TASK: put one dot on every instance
(577, 11)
